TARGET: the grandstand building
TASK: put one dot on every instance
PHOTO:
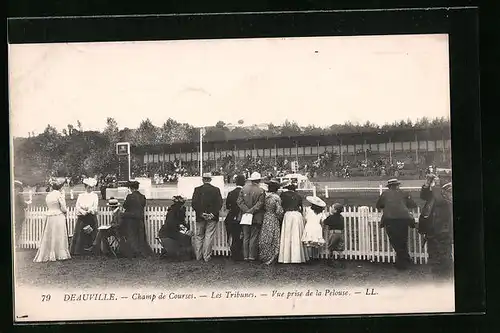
(420, 145)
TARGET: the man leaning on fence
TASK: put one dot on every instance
(207, 203)
(436, 223)
(396, 218)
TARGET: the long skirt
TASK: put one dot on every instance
(54, 244)
(269, 240)
(291, 248)
(133, 235)
(82, 240)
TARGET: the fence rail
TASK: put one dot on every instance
(364, 239)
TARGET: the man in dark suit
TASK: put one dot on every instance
(396, 219)
(207, 203)
(251, 201)
(233, 219)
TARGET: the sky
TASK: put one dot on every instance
(313, 81)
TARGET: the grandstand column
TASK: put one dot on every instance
(201, 151)
(341, 152)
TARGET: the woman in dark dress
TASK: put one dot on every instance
(175, 233)
(292, 250)
(133, 229)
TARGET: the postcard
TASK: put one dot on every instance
(225, 178)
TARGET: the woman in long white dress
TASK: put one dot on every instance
(54, 244)
(292, 250)
(314, 215)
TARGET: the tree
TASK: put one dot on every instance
(146, 134)
(290, 128)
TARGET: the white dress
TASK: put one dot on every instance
(54, 244)
(313, 231)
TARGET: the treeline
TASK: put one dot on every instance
(76, 151)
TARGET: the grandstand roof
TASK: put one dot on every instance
(382, 136)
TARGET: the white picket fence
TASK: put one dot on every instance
(364, 239)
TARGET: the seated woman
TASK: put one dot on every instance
(175, 234)
(108, 240)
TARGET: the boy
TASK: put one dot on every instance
(335, 225)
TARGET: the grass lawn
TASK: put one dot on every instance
(89, 272)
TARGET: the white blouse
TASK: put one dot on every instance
(87, 203)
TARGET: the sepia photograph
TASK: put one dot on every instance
(231, 178)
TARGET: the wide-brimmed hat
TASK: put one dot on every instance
(133, 184)
(57, 181)
(178, 199)
(273, 181)
(112, 202)
(316, 201)
(288, 184)
(90, 182)
(446, 186)
(207, 175)
(255, 176)
(393, 181)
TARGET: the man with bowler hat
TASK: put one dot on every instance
(396, 219)
(207, 203)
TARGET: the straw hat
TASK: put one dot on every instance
(338, 207)
(90, 182)
(207, 175)
(393, 181)
(316, 201)
(112, 202)
(18, 183)
(255, 176)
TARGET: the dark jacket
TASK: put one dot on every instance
(176, 216)
(291, 201)
(234, 211)
(251, 200)
(20, 206)
(439, 211)
(396, 205)
(134, 205)
(334, 221)
(207, 199)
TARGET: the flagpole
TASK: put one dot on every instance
(201, 152)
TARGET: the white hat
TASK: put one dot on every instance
(255, 176)
(57, 181)
(90, 182)
(18, 183)
(445, 186)
(316, 201)
(207, 175)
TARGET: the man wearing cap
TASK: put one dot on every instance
(207, 203)
(251, 201)
(233, 219)
(437, 193)
(19, 207)
(396, 219)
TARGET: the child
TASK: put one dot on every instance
(335, 225)
(313, 232)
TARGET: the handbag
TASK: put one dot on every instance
(246, 219)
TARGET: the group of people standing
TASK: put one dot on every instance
(266, 222)
(263, 225)
(88, 238)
